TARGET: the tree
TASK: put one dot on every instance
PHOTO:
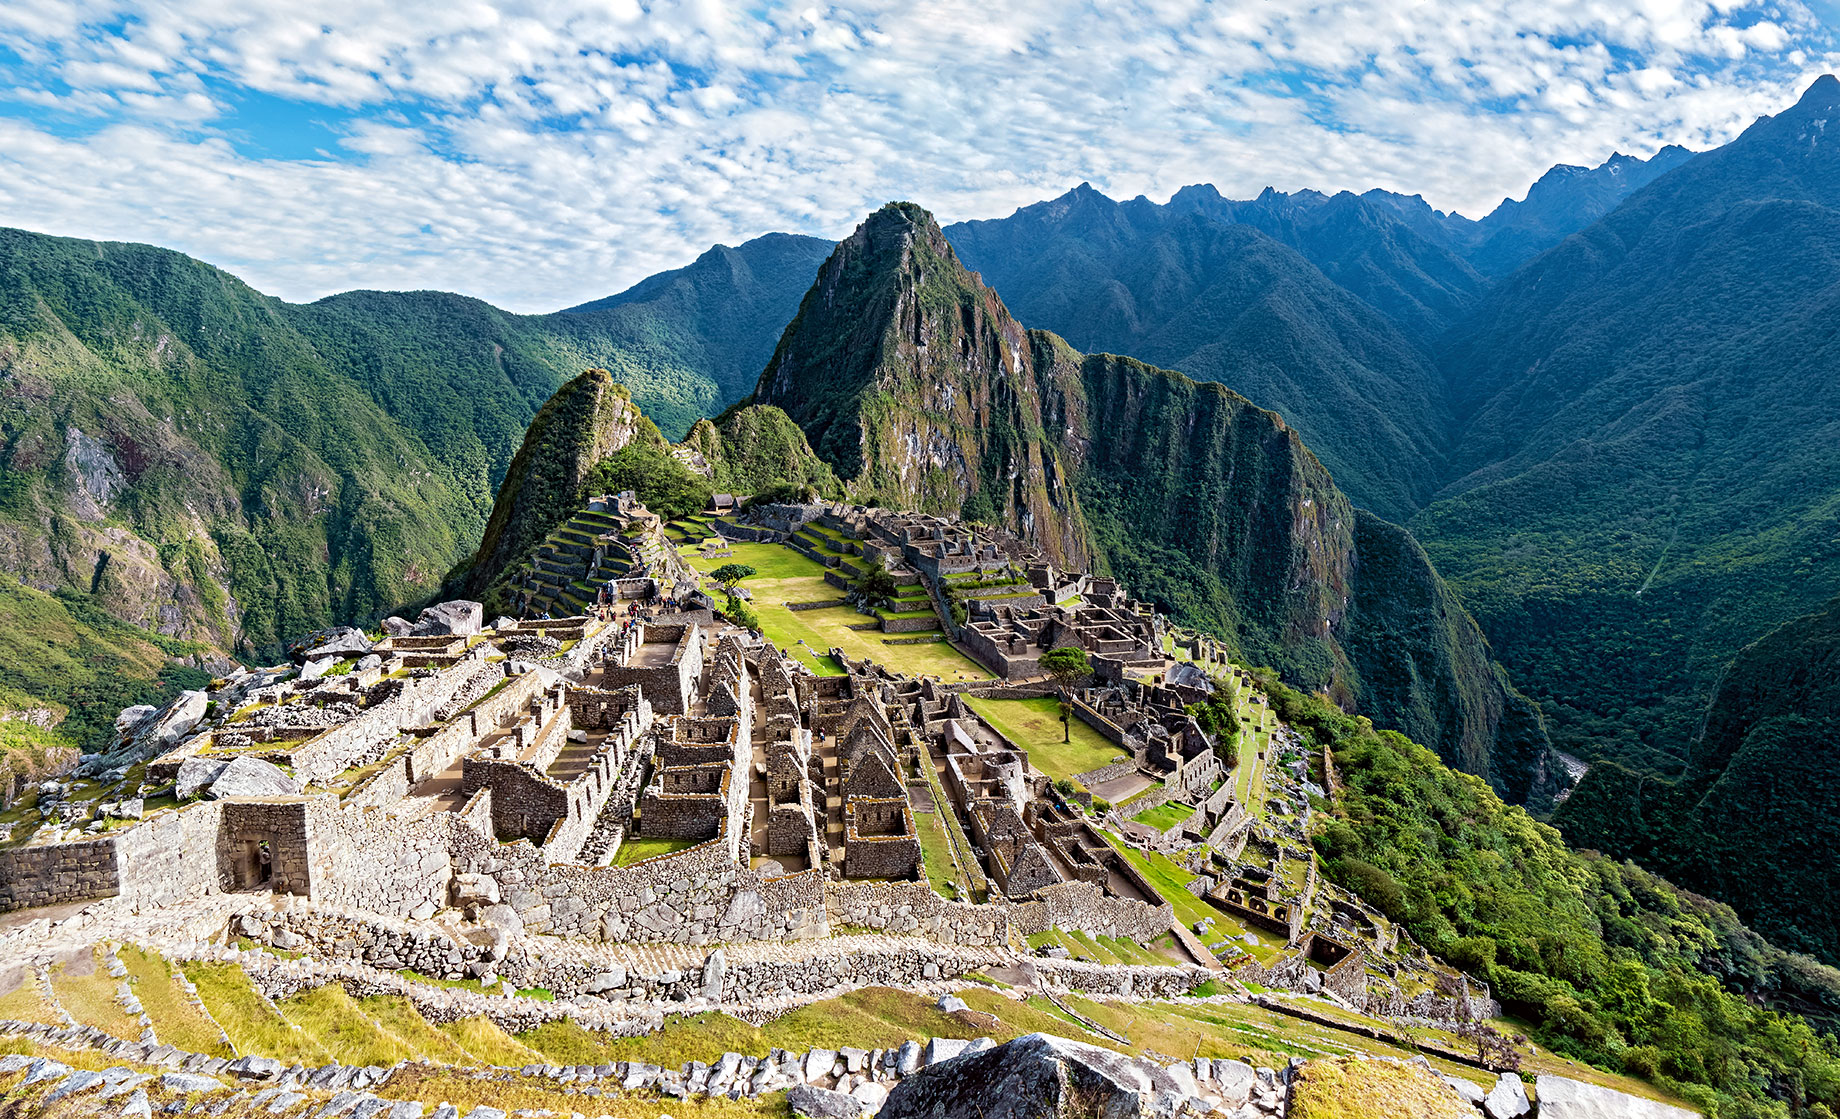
(730, 575)
(876, 587)
(1068, 665)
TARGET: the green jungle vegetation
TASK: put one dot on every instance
(63, 652)
(1606, 962)
(1645, 474)
(199, 458)
(1225, 302)
(1758, 792)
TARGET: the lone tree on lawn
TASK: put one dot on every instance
(728, 577)
(1068, 665)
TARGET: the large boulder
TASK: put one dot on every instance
(396, 627)
(345, 641)
(822, 1103)
(1561, 1098)
(459, 618)
(1507, 1099)
(1034, 1076)
(164, 730)
(196, 774)
(252, 777)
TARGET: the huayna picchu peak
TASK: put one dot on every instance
(1273, 652)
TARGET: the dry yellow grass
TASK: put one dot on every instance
(252, 1024)
(1342, 1088)
(175, 1020)
(398, 1017)
(87, 993)
(483, 1038)
(330, 1017)
(24, 1003)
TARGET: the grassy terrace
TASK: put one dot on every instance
(1164, 816)
(784, 575)
(326, 1022)
(637, 848)
(936, 855)
(1035, 725)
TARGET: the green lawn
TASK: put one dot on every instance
(635, 848)
(784, 575)
(1035, 725)
(936, 854)
(1165, 816)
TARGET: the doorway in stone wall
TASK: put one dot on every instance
(258, 864)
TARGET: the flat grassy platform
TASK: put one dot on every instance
(784, 575)
(1165, 816)
(1035, 725)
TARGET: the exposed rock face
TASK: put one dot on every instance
(252, 777)
(1561, 1098)
(588, 419)
(459, 618)
(343, 641)
(195, 774)
(1031, 1077)
(909, 376)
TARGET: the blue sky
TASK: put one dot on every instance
(541, 154)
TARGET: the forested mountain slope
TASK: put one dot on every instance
(1185, 290)
(912, 380)
(1756, 818)
(1646, 472)
(191, 456)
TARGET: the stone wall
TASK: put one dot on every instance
(338, 748)
(910, 625)
(171, 857)
(371, 860)
(913, 907)
(60, 872)
(1085, 907)
(668, 686)
(1112, 731)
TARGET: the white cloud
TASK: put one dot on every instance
(538, 154)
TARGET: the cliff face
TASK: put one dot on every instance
(911, 379)
(587, 420)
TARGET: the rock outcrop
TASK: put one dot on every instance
(1036, 1076)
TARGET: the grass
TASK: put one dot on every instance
(869, 1018)
(1165, 815)
(637, 848)
(176, 1020)
(783, 575)
(398, 1017)
(251, 1021)
(1351, 1089)
(936, 855)
(484, 1039)
(1035, 725)
(90, 997)
(335, 1022)
(24, 1004)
